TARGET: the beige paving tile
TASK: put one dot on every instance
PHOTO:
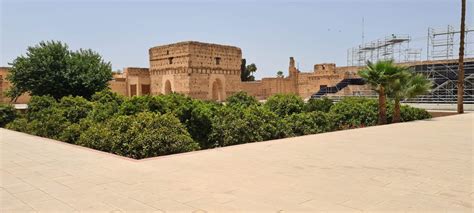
(51, 206)
(127, 204)
(33, 196)
(169, 205)
(423, 166)
(19, 187)
(9, 203)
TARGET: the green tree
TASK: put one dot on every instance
(7, 114)
(280, 74)
(50, 68)
(284, 104)
(246, 71)
(74, 108)
(379, 76)
(237, 125)
(323, 105)
(407, 85)
(142, 135)
(306, 123)
(241, 99)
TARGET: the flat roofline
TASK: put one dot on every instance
(135, 68)
(193, 42)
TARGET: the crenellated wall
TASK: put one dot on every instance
(212, 72)
(196, 69)
(303, 84)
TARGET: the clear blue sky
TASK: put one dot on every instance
(269, 32)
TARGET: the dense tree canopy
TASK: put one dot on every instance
(148, 126)
(50, 68)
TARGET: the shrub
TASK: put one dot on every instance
(199, 122)
(322, 105)
(139, 136)
(71, 133)
(44, 118)
(195, 114)
(49, 123)
(7, 114)
(409, 113)
(105, 105)
(309, 123)
(268, 124)
(236, 125)
(39, 104)
(285, 104)
(97, 137)
(149, 126)
(178, 104)
(241, 99)
(74, 108)
(107, 96)
(19, 124)
(137, 104)
(354, 112)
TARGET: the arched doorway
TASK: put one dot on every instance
(168, 87)
(217, 90)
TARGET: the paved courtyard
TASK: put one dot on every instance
(416, 166)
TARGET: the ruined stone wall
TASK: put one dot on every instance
(5, 86)
(138, 81)
(118, 84)
(323, 75)
(303, 84)
(268, 86)
(199, 70)
(253, 88)
(272, 86)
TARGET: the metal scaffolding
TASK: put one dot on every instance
(393, 47)
(443, 46)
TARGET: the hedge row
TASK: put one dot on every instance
(148, 126)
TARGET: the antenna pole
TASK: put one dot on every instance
(363, 30)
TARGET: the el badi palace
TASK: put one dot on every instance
(212, 72)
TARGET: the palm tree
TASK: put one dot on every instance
(379, 76)
(461, 59)
(407, 85)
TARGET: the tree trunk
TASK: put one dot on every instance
(382, 107)
(396, 111)
(461, 59)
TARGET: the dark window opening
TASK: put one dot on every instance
(170, 60)
(218, 60)
(145, 89)
(167, 52)
(133, 90)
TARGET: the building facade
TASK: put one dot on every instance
(212, 72)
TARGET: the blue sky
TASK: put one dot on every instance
(269, 32)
